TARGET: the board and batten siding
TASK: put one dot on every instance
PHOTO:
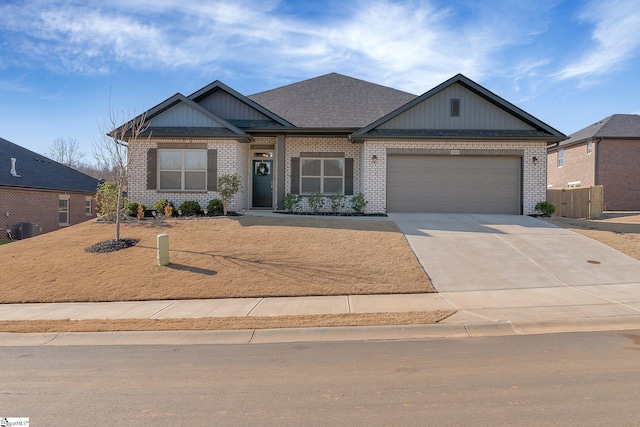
(229, 107)
(181, 115)
(475, 113)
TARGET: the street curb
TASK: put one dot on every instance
(359, 333)
(592, 324)
(325, 334)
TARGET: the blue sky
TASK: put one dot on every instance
(569, 63)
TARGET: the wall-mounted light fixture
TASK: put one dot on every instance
(374, 158)
(535, 160)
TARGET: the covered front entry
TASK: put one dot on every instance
(454, 184)
(262, 192)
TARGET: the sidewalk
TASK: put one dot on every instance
(229, 307)
(460, 325)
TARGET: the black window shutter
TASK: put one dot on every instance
(212, 170)
(295, 175)
(348, 177)
(152, 168)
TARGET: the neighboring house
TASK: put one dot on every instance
(38, 195)
(606, 153)
(456, 148)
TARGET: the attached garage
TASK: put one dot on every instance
(454, 184)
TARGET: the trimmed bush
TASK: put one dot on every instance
(358, 203)
(291, 202)
(336, 201)
(190, 207)
(316, 202)
(215, 206)
(131, 208)
(545, 208)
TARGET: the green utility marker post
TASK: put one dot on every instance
(163, 249)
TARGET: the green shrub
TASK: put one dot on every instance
(291, 202)
(131, 208)
(316, 202)
(215, 206)
(545, 208)
(190, 207)
(161, 204)
(358, 202)
(107, 199)
(228, 186)
(336, 201)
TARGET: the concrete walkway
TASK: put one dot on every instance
(505, 275)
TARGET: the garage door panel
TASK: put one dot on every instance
(444, 184)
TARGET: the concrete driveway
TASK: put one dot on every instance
(521, 269)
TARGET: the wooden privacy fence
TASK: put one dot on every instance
(581, 202)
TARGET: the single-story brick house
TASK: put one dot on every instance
(605, 153)
(38, 195)
(456, 148)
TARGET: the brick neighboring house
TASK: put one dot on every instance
(456, 148)
(36, 190)
(606, 153)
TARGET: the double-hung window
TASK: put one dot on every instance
(87, 205)
(63, 210)
(322, 175)
(183, 170)
(560, 158)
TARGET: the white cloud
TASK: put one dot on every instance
(615, 39)
(411, 45)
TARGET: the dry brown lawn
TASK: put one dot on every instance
(621, 231)
(249, 256)
(227, 323)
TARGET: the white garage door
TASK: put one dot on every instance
(454, 184)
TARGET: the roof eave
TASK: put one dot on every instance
(361, 138)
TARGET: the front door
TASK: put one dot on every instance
(262, 184)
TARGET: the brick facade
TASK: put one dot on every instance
(619, 173)
(533, 176)
(368, 177)
(232, 158)
(41, 207)
(578, 165)
(613, 164)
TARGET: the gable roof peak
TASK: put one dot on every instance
(548, 131)
(218, 85)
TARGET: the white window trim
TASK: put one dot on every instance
(182, 171)
(322, 176)
(560, 158)
(88, 212)
(68, 199)
(589, 147)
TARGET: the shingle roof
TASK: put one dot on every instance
(37, 171)
(332, 101)
(614, 126)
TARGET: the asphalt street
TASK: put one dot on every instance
(571, 379)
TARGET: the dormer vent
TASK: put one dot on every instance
(455, 107)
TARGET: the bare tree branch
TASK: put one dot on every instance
(118, 144)
(65, 151)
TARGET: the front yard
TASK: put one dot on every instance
(250, 256)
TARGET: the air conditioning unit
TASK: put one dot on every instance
(29, 229)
